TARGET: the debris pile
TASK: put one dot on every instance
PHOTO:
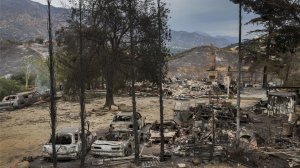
(206, 132)
(185, 89)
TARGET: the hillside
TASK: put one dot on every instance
(13, 55)
(192, 63)
(182, 40)
(195, 62)
(24, 20)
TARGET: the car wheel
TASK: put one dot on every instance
(127, 151)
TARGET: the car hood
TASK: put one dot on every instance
(105, 142)
(156, 134)
(60, 149)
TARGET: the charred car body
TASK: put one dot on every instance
(113, 144)
(170, 131)
(20, 100)
(123, 121)
(119, 140)
(68, 143)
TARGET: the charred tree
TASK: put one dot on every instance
(161, 105)
(133, 66)
(52, 89)
(265, 77)
(82, 90)
(106, 44)
(109, 101)
(288, 68)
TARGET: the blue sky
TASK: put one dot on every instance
(214, 17)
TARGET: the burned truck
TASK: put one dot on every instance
(113, 144)
(68, 143)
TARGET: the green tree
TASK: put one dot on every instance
(8, 87)
(107, 41)
(279, 37)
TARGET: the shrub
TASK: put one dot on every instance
(8, 87)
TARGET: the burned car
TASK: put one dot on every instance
(170, 131)
(123, 121)
(20, 100)
(68, 143)
(113, 144)
(12, 102)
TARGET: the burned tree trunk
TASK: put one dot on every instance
(161, 105)
(102, 80)
(265, 77)
(288, 68)
(109, 75)
(109, 101)
(132, 53)
(82, 91)
(52, 89)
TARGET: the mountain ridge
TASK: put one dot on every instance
(22, 20)
(182, 40)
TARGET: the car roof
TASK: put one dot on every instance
(125, 113)
(10, 96)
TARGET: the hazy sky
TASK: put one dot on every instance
(214, 17)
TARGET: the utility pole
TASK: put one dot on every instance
(161, 105)
(132, 53)
(82, 90)
(52, 89)
(239, 78)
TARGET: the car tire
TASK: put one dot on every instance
(127, 151)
